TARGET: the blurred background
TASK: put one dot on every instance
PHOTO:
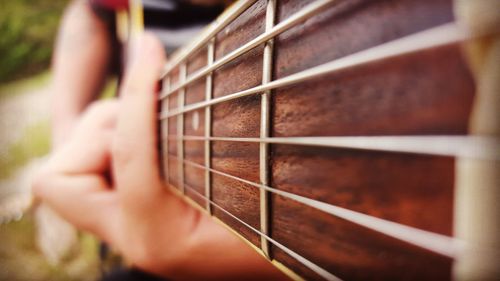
(38, 245)
(27, 32)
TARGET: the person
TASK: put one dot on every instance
(80, 65)
(103, 176)
(85, 42)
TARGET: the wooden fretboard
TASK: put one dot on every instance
(330, 134)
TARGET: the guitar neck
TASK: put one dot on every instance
(338, 138)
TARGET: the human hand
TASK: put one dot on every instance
(79, 66)
(106, 180)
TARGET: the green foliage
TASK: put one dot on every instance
(35, 142)
(20, 258)
(27, 32)
(25, 85)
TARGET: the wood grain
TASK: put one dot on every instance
(172, 101)
(243, 73)
(174, 76)
(246, 71)
(403, 188)
(195, 92)
(247, 26)
(194, 151)
(239, 199)
(351, 26)
(173, 171)
(418, 94)
(236, 158)
(237, 118)
(195, 195)
(172, 132)
(425, 93)
(349, 251)
(197, 60)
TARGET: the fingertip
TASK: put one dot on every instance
(148, 49)
(145, 65)
(40, 181)
(154, 46)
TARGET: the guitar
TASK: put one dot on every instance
(342, 140)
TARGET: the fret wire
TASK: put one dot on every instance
(267, 65)
(300, 16)
(435, 37)
(180, 127)
(487, 148)
(210, 32)
(309, 264)
(208, 121)
(437, 243)
(165, 131)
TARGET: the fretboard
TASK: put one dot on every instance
(330, 135)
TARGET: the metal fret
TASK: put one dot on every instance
(435, 37)
(210, 32)
(299, 17)
(180, 127)
(455, 146)
(483, 148)
(208, 122)
(309, 264)
(437, 243)
(165, 130)
(267, 66)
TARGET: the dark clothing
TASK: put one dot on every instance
(130, 275)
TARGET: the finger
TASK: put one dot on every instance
(80, 62)
(99, 115)
(73, 182)
(88, 150)
(83, 200)
(83, 43)
(135, 160)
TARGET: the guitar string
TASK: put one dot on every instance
(194, 77)
(6, 213)
(314, 267)
(265, 241)
(210, 32)
(438, 36)
(437, 243)
(304, 14)
(180, 124)
(474, 147)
